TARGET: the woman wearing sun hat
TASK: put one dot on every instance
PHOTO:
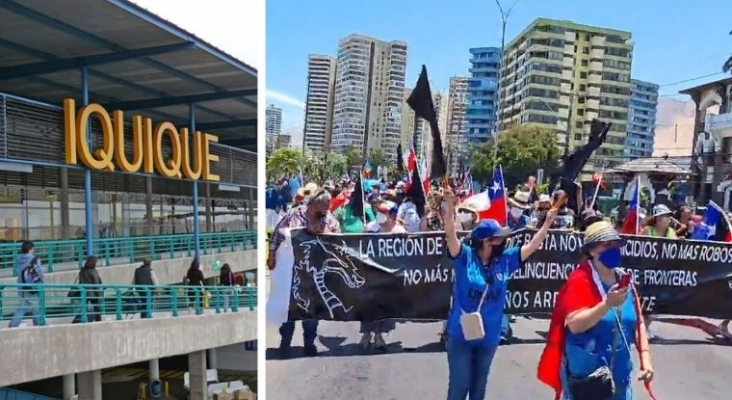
(482, 268)
(659, 223)
(594, 320)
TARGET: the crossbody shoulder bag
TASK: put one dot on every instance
(472, 323)
(599, 384)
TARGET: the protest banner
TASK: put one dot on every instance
(369, 277)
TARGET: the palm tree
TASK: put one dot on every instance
(727, 67)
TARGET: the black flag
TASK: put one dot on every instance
(424, 107)
(400, 160)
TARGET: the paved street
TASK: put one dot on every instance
(688, 366)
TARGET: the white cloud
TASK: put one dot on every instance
(285, 98)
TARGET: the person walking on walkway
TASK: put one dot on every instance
(30, 272)
(89, 276)
(482, 269)
(144, 275)
(194, 280)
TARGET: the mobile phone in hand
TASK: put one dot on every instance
(624, 281)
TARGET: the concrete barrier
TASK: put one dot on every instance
(34, 353)
(168, 271)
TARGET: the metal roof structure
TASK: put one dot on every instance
(652, 165)
(136, 62)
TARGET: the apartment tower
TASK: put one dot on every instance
(482, 93)
(563, 75)
(273, 127)
(369, 92)
(319, 103)
(457, 105)
(641, 134)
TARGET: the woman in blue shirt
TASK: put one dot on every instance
(595, 321)
(482, 269)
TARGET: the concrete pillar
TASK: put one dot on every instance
(197, 371)
(154, 366)
(90, 385)
(150, 222)
(212, 359)
(209, 211)
(69, 386)
(64, 200)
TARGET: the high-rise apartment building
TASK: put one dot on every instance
(482, 93)
(563, 75)
(319, 102)
(641, 133)
(369, 93)
(457, 105)
(273, 127)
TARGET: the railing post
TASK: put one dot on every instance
(148, 302)
(235, 299)
(118, 303)
(83, 306)
(42, 304)
(251, 299)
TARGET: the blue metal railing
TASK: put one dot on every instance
(127, 249)
(51, 304)
(13, 394)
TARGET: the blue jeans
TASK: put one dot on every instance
(469, 366)
(27, 303)
(505, 326)
(309, 332)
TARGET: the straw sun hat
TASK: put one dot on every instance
(600, 232)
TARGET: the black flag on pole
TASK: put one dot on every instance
(424, 107)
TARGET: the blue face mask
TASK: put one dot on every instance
(610, 258)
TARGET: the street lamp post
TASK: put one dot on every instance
(504, 20)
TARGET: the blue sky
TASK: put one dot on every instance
(675, 40)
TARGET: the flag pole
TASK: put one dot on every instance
(505, 195)
(597, 188)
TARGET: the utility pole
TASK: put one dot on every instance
(497, 126)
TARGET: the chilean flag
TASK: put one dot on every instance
(491, 204)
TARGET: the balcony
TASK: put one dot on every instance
(719, 125)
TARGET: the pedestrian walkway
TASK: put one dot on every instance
(58, 304)
(64, 255)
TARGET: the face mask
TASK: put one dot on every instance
(465, 217)
(498, 249)
(381, 218)
(610, 257)
(516, 212)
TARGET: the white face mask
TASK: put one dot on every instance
(381, 218)
(516, 212)
(464, 217)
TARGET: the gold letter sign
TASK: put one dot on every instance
(187, 156)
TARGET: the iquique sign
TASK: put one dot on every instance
(187, 160)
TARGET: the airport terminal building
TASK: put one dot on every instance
(123, 128)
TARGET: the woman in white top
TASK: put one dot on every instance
(372, 333)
